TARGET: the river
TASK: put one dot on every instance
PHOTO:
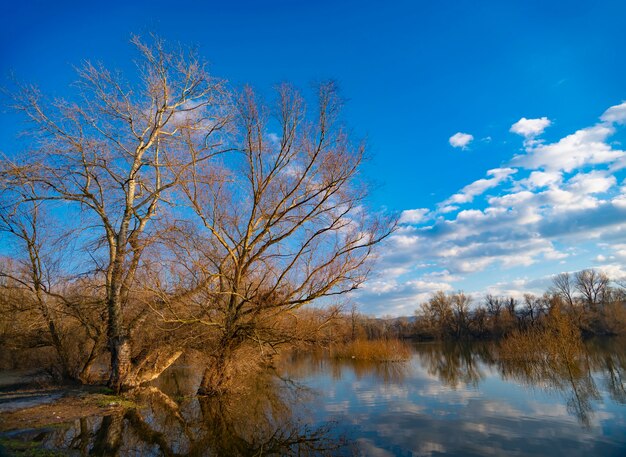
(448, 399)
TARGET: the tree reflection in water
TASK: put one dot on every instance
(455, 364)
(555, 360)
(570, 377)
(268, 416)
(301, 366)
(609, 356)
(552, 361)
(553, 357)
(257, 421)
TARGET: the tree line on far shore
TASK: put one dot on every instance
(593, 303)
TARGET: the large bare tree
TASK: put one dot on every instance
(279, 224)
(116, 151)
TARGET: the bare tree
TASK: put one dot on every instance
(439, 314)
(281, 224)
(562, 286)
(460, 307)
(494, 306)
(354, 321)
(116, 152)
(35, 274)
(592, 285)
(531, 308)
(20, 217)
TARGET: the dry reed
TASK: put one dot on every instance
(391, 350)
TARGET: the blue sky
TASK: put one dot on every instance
(415, 73)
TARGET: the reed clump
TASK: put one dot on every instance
(383, 350)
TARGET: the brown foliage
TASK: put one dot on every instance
(372, 350)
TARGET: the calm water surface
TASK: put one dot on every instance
(447, 400)
(458, 400)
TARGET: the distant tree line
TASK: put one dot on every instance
(588, 299)
(595, 304)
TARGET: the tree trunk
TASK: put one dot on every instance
(119, 344)
(216, 377)
(153, 365)
(64, 365)
(85, 373)
(120, 364)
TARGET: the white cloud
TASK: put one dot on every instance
(478, 187)
(619, 201)
(413, 216)
(390, 296)
(520, 286)
(587, 146)
(614, 271)
(461, 140)
(530, 128)
(615, 114)
(558, 206)
(591, 183)
(472, 265)
(442, 275)
(619, 251)
(274, 138)
(540, 179)
(449, 208)
(193, 116)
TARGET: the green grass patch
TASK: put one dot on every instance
(109, 401)
(105, 390)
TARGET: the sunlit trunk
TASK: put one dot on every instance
(217, 375)
(214, 380)
(152, 366)
(120, 364)
(119, 345)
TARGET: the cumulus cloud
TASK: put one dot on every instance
(413, 216)
(615, 114)
(467, 194)
(593, 182)
(389, 296)
(587, 146)
(556, 203)
(614, 271)
(461, 140)
(450, 208)
(530, 128)
(541, 179)
(518, 287)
